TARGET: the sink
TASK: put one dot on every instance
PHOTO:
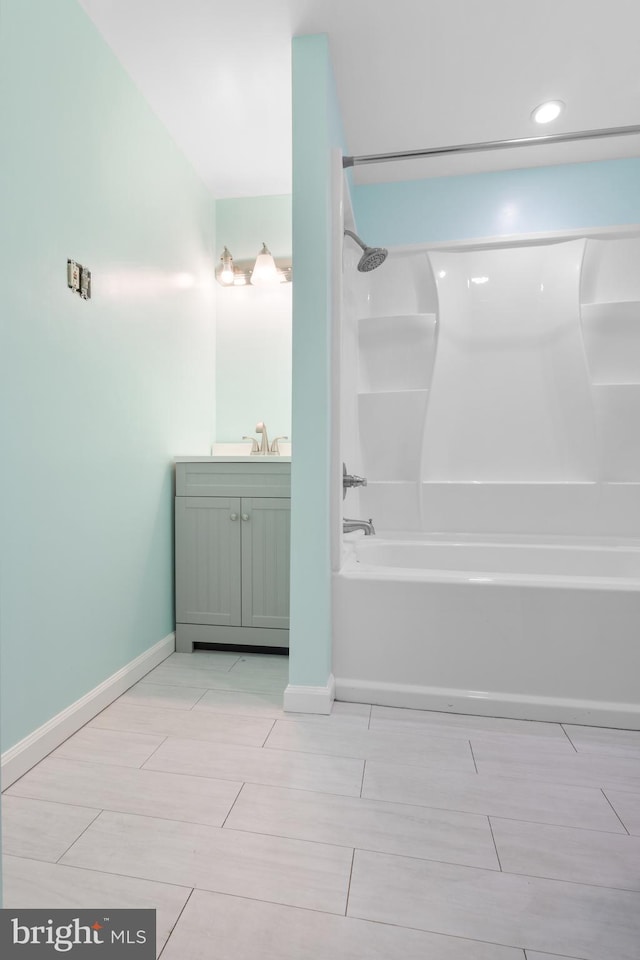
(233, 458)
(241, 451)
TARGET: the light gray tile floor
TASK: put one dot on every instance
(610, 743)
(564, 853)
(552, 916)
(230, 928)
(165, 722)
(542, 802)
(260, 867)
(42, 830)
(281, 768)
(581, 769)
(158, 695)
(541, 956)
(252, 677)
(51, 886)
(269, 704)
(366, 824)
(627, 806)
(375, 832)
(119, 747)
(148, 793)
(405, 747)
(460, 725)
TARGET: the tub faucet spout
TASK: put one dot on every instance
(348, 526)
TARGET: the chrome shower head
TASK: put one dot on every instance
(372, 256)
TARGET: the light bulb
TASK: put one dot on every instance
(226, 274)
(265, 270)
(548, 111)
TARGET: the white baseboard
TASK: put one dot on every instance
(29, 751)
(518, 707)
(303, 699)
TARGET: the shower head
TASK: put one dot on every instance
(372, 256)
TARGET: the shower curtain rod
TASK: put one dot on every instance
(489, 145)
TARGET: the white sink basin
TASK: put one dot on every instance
(243, 450)
(231, 458)
(239, 453)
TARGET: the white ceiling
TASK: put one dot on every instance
(410, 74)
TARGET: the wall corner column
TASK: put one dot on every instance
(316, 133)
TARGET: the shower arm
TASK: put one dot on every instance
(490, 145)
(350, 233)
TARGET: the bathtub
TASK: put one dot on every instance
(539, 630)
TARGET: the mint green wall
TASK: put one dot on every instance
(95, 397)
(537, 199)
(253, 339)
(316, 131)
(245, 223)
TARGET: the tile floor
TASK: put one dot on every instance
(373, 834)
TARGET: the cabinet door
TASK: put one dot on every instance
(208, 560)
(265, 561)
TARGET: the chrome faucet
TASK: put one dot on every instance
(351, 480)
(348, 526)
(264, 449)
(275, 445)
(264, 446)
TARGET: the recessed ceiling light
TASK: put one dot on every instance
(548, 111)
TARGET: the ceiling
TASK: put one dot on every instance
(410, 74)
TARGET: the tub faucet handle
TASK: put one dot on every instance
(351, 480)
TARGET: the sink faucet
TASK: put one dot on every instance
(264, 446)
(275, 446)
(264, 449)
(348, 526)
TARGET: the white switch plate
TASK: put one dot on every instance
(85, 283)
(73, 275)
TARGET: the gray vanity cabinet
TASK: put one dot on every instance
(232, 553)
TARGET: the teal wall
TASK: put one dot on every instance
(316, 130)
(95, 397)
(253, 338)
(245, 223)
(566, 197)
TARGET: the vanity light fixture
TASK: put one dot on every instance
(225, 276)
(547, 111)
(265, 270)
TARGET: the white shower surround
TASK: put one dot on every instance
(523, 598)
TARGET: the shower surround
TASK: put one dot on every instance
(491, 396)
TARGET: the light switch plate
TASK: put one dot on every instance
(85, 283)
(73, 275)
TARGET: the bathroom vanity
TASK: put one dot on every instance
(232, 524)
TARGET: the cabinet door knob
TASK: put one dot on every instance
(245, 516)
(233, 516)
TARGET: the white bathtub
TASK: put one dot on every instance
(537, 630)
